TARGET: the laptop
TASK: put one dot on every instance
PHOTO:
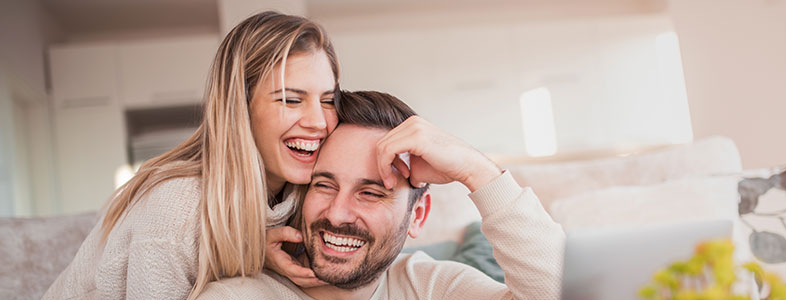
(616, 263)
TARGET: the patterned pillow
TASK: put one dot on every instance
(762, 210)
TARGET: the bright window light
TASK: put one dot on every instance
(123, 174)
(672, 85)
(537, 119)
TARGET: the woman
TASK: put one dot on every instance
(199, 212)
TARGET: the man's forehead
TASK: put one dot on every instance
(350, 150)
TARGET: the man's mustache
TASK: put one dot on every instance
(345, 229)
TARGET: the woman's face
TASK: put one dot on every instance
(288, 132)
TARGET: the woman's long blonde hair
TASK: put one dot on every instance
(222, 150)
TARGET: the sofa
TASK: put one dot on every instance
(670, 184)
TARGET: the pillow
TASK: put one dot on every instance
(762, 210)
(670, 202)
(552, 181)
(439, 251)
(33, 251)
(476, 251)
(684, 200)
(451, 211)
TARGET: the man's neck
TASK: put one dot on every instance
(329, 292)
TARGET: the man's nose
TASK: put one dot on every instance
(313, 116)
(340, 210)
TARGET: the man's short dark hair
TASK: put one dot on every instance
(376, 110)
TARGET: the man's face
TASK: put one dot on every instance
(354, 227)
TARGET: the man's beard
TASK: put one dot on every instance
(373, 264)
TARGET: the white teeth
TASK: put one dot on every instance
(303, 145)
(342, 244)
(340, 249)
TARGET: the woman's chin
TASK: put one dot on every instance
(299, 176)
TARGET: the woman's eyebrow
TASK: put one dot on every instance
(293, 90)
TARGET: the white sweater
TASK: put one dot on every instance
(152, 252)
(528, 246)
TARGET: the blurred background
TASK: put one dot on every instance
(91, 88)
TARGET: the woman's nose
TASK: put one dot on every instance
(313, 116)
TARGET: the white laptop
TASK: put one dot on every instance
(616, 263)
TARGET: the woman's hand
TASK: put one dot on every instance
(278, 260)
(435, 157)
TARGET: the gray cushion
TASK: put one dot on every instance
(476, 251)
(33, 251)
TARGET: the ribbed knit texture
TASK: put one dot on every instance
(280, 213)
(151, 253)
(527, 244)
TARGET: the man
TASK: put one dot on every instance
(359, 210)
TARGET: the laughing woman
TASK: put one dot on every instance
(199, 212)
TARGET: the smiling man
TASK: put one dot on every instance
(359, 210)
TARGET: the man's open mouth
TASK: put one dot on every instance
(302, 147)
(341, 244)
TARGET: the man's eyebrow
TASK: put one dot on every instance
(327, 175)
(296, 91)
(375, 182)
(329, 92)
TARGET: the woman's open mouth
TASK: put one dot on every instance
(302, 147)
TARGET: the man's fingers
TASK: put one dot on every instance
(388, 149)
(401, 166)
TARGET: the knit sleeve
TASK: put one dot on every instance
(163, 247)
(155, 271)
(528, 244)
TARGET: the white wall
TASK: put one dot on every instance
(26, 165)
(6, 150)
(466, 77)
(24, 30)
(734, 54)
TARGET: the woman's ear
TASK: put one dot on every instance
(420, 212)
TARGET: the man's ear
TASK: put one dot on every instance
(419, 214)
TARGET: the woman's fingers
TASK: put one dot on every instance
(293, 269)
(281, 262)
(308, 282)
(284, 234)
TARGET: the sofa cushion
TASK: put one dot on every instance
(690, 199)
(550, 181)
(451, 211)
(676, 201)
(34, 251)
(763, 211)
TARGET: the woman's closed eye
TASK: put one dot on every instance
(291, 100)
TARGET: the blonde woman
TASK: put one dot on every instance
(200, 211)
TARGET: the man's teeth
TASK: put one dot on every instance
(303, 145)
(342, 244)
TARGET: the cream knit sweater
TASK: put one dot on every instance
(527, 244)
(150, 254)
